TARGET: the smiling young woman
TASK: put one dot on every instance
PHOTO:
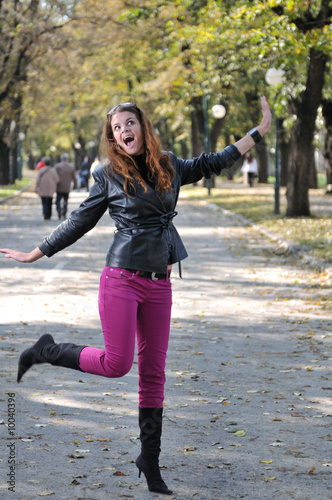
(127, 132)
(139, 184)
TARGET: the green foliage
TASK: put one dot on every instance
(160, 54)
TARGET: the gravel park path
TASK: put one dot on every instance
(248, 394)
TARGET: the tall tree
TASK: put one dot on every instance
(23, 26)
(297, 35)
(164, 54)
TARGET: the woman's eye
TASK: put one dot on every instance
(130, 122)
(116, 127)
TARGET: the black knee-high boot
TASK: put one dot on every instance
(150, 423)
(45, 350)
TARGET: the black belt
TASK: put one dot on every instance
(151, 275)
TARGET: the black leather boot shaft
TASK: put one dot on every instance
(45, 350)
(150, 422)
(66, 355)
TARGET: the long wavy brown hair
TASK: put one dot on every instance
(160, 168)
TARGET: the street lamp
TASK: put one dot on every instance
(91, 145)
(275, 77)
(11, 159)
(218, 111)
(20, 139)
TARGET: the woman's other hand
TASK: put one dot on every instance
(22, 256)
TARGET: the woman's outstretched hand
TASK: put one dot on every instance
(265, 124)
(247, 142)
(22, 256)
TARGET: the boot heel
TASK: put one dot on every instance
(152, 475)
(150, 423)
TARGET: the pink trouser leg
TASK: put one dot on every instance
(128, 304)
(153, 326)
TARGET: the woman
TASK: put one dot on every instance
(249, 169)
(140, 187)
(46, 184)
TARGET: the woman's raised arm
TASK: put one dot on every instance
(247, 142)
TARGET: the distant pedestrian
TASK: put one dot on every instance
(85, 173)
(249, 169)
(46, 183)
(139, 185)
(40, 164)
(96, 164)
(68, 180)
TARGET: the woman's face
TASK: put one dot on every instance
(127, 132)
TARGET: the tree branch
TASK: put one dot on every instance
(308, 22)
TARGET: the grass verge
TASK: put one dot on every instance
(257, 204)
(11, 189)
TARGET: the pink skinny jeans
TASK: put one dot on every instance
(129, 305)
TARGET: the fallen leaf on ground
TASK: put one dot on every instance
(189, 448)
(239, 433)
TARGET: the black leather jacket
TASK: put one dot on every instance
(145, 237)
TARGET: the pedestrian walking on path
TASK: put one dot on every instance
(140, 187)
(46, 183)
(68, 180)
(84, 173)
(249, 169)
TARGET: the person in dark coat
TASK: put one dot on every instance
(68, 180)
(84, 173)
(139, 185)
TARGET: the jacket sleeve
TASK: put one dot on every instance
(81, 220)
(206, 164)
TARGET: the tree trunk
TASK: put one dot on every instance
(197, 126)
(215, 133)
(4, 161)
(184, 150)
(262, 157)
(197, 131)
(327, 153)
(302, 138)
(284, 149)
(328, 164)
(312, 169)
(31, 161)
(253, 109)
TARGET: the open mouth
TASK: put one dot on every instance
(128, 140)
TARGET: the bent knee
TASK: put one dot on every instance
(118, 373)
(118, 370)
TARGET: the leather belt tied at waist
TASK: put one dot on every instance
(166, 223)
(150, 275)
